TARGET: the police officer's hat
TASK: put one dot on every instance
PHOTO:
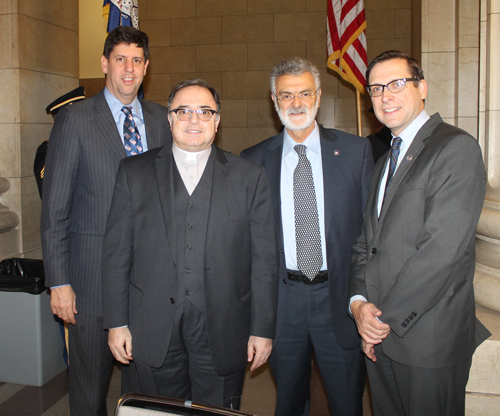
(71, 97)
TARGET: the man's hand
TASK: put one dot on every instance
(369, 350)
(259, 350)
(369, 327)
(120, 344)
(63, 303)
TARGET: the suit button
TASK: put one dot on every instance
(414, 314)
(172, 300)
(190, 226)
(187, 271)
(190, 204)
(188, 247)
(404, 325)
(374, 250)
(188, 292)
(284, 281)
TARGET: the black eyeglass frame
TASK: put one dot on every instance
(213, 112)
(405, 80)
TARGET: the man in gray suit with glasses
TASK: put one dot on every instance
(87, 142)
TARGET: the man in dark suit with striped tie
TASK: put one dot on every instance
(87, 142)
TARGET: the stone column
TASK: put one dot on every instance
(39, 46)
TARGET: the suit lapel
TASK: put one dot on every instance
(409, 159)
(217, 199)
(272, 165)
(330, 172)
(153, 126)
(165, 182)
(106, 127)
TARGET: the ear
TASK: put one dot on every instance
(319, 95)
(422, 87)
(217, 121)
(170, 120)
(273, 97)
(104, 64)
(146, 67)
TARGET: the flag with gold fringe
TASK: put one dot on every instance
(121, 13)
(346, 41)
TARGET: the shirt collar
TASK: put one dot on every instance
(189, 157)
(312, 143)
(116, 106)
(408, 134)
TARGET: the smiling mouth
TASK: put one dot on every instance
(391, 110)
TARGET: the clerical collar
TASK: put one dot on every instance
(190, 158)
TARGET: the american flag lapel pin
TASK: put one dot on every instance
(336, 152)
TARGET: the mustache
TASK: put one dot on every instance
(297, 110)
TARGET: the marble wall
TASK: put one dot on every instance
(233, 44)
(39, 43)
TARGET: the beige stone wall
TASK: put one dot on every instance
(233, 44)
(39, 45)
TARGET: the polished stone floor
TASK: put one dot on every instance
(259, 396)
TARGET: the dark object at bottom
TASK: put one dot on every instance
(22, 275)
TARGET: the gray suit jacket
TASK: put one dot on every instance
(84, 152)
(416, 262)
(241, 261)
(347, 169)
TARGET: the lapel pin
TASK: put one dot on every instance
(409, 158)
(336, 152)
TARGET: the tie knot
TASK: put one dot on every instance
(127, 110)
(396, 143)
(300, 149)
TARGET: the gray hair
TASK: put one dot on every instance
(294, 66)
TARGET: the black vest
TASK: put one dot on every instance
(191, 214)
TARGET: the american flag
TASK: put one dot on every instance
(346, 41)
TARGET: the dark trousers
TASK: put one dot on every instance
(308, 325)
(401, 390)
(188, 372)
(91, 362)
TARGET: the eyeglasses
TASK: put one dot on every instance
(204, 114)
(303, 96)
(398, 85)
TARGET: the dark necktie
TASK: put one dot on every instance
(131, 136)
(396, 145)
(307, 235)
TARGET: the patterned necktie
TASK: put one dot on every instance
(396, 144)
(131, 136)
(307, 235)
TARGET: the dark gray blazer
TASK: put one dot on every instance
(241, 260)
(416, 262)
(347, 169)
(84, 152)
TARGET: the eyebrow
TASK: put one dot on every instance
(289, 92)
(200, 107)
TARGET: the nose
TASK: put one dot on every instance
(129, 65)
(296, 102)
(193, 117)
(386, 94)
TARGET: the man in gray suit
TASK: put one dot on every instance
(87, 142)
(190, 260)
(412, 268)
(315, 225)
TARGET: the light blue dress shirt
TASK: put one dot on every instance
(289, 161)
(115, 105)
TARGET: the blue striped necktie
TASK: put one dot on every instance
(131, 137)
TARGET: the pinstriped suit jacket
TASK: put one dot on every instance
(80, 172)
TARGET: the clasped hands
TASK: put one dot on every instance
(371, 329)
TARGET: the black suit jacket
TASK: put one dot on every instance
(416, 262)
(347, 169)
(80, 171)
(241, 261)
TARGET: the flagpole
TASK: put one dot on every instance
(358, 113)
